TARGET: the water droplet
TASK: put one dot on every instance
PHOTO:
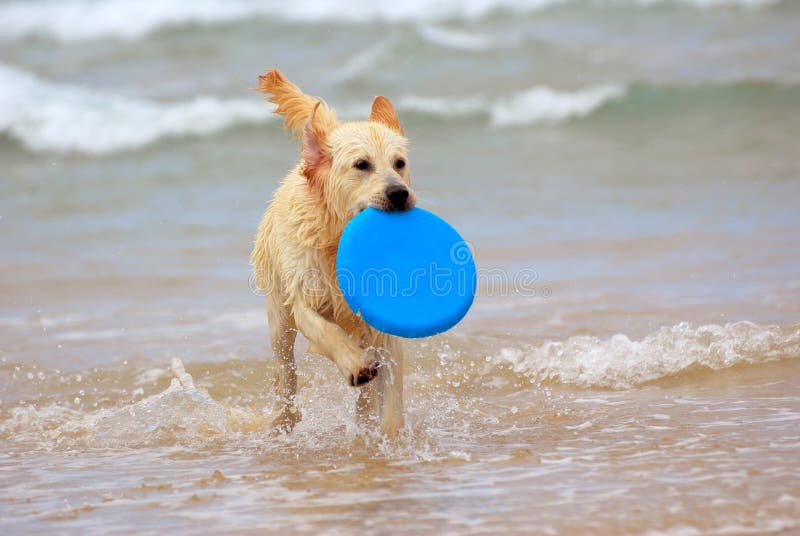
(514, 409)
(77, 401)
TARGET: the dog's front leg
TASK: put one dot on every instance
(391, 387)
(282, 333)
(356, 364)
(382, 399)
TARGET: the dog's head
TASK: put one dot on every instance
(355, 165)
(351, 165)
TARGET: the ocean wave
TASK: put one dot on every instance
(546, 105)
(445, 107)
(45, 116)
(180, 414)
(539, 104)
(48, 117)
(542, 104)
(80, 20)
(183, 412)
(622, 363)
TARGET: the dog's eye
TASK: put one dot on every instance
(400, 163)
(363, 165)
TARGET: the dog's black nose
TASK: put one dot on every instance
(398, 195)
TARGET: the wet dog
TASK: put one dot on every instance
(344, 168)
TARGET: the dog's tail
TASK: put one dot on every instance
(294, 105)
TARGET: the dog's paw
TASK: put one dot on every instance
(284, 423)
(366, 373)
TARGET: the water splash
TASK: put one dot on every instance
(180, 414)
(622, 363)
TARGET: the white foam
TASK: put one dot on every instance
(46, 116)
(539, 104)
(56, 117)
(443, 106)
(620, 363)
(181, 414)
(78, 20)
(544, 105)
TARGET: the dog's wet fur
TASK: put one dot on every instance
(344, 168)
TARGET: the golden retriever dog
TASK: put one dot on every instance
(344, 168)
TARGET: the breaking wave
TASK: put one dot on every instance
(45, 116)
(542, 104)
(539, 104)
(182, 413)
(622, 363)
(80, 20)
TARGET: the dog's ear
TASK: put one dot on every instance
(315, 151)
(294, 105)
(383, 112)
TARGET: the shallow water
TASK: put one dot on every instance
(625, 171)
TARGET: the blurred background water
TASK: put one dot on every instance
(638, 156)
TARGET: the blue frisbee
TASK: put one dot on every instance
(408, 274)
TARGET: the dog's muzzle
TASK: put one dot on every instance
(398, 196)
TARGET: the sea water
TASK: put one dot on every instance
(626, 172)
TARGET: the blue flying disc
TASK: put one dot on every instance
(408, 274)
